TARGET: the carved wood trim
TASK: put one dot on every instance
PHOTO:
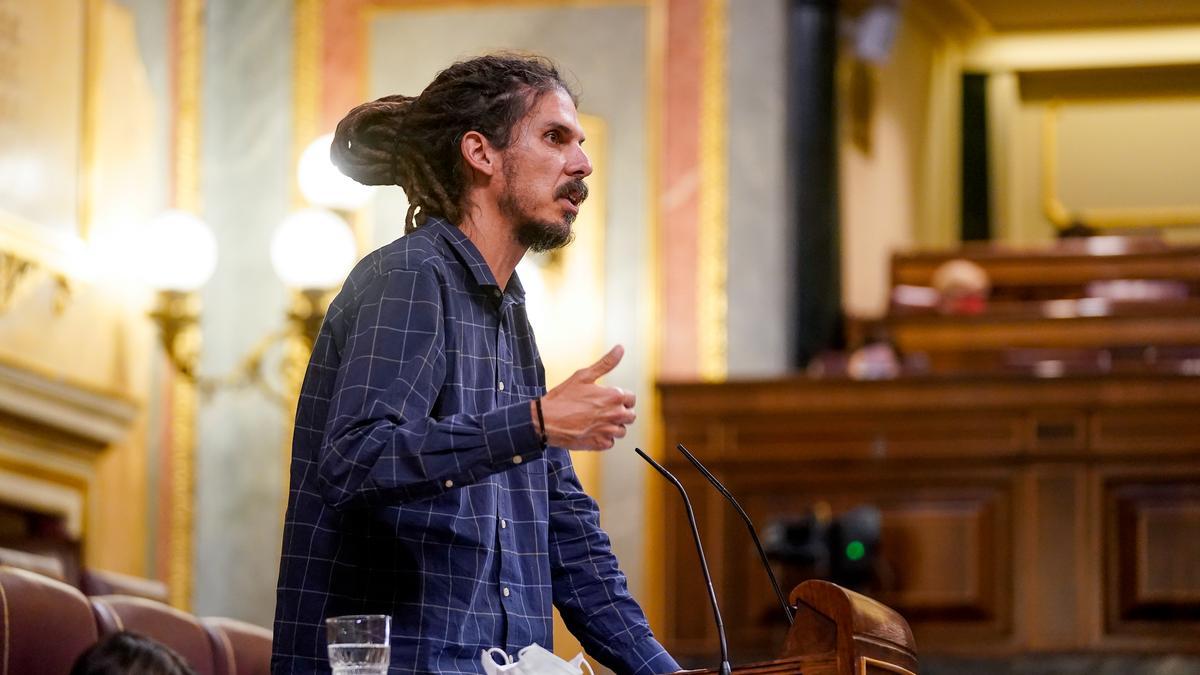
(62, 408)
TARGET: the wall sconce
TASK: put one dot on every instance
(312, 250)
(179, 254)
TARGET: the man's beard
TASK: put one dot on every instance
(543, 235)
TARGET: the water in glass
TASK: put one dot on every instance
(359, 659)
(358, 645)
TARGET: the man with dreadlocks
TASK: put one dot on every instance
(429, 480)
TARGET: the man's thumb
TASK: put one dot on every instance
(603, 366)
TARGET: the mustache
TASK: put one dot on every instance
(575, 190)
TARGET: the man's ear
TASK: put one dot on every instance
(478, 153)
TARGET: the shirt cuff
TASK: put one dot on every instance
(647, 657)
(511, 434)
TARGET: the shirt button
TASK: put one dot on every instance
(501, 386)
(505, 592)
(496, 292)
(503, 523)
(517, 459)
(449, 483)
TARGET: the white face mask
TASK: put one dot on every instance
(532, 660)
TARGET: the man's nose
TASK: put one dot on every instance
(579, 165)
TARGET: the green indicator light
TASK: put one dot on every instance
(855, 550)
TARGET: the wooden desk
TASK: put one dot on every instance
(1061, 270)
(962, 342)
(1018, 514)
(839, 632)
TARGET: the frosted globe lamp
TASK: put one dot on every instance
(313, 249)
(177, 252)
(324, 185)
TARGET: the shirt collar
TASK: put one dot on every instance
(471, 257)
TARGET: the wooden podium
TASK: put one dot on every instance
(839, 632)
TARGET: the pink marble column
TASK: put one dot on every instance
(679, 201)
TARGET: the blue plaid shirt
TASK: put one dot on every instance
(420, 488)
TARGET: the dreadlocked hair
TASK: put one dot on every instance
(414, 142)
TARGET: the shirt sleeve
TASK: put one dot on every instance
(381, 443)
(590, 591)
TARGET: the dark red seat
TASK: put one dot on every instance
(46, 624)
(172, 627)
(241, 648)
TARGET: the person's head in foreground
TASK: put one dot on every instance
(126, 653)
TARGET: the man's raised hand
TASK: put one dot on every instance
(583, 415)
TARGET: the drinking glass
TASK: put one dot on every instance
(359, 644)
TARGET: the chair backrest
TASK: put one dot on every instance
(102, 582)
(241, 648)
(45, 624)
(174, 628)
(46, 565)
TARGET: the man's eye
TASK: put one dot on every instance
(553, 136)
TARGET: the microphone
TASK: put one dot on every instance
(762, 555)
(712, 594)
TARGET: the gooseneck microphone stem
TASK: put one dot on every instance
(762, 554)
(712, 594)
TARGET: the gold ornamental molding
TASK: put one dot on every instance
(189, 54)
(183, 491)
(14, 275)
(307, 67)
(307, 45)
(189, 59)
(57, 407)
(712, 334)
(1063, 216)
(19, 274)
(28, 254)
(91, 74)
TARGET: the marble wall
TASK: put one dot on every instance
(760, 254)
(247, 175)
(151, 20)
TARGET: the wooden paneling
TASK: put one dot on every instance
(857, 436)
(1056, 549)
(946, 551)
(1149, 431)
(1018, 514)
(693, 628)
(942, 554)
(1153, 538)
(1061, 271)
(938, 335)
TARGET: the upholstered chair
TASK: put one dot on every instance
(172, 627)
(46, 624)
